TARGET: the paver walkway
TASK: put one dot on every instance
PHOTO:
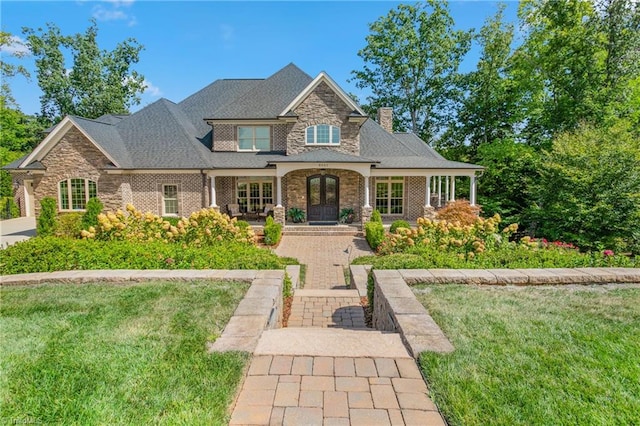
(327, 368)
(325, 257)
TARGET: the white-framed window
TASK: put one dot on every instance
(254, 192)
(74, 193)
(254, 138)
(323, 134)
(169, 200)
(390, 194)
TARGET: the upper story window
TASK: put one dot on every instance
(74, 193)
(323, 134)
(254, 138)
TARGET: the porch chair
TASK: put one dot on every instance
(268, 210)
(234, 210)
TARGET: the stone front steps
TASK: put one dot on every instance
(320, 231)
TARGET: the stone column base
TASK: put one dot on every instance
(429, 212)
(278, 215)
(216, 208)
(365, 214)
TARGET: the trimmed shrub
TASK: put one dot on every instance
(93, 209)
(399, 224)
(49, 254)
(272, 232)
(243, 224)
(376, 216)
(69, 225)
(374, 233)
(47, 220)
(8, 208)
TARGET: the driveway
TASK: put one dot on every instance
(14, 230)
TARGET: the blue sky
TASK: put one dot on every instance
(190, 44)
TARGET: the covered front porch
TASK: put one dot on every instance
(320, 191)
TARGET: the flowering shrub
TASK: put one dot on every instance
(203, 227)
(465, 240)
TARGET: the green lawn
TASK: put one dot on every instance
(117, 354)
(536, 356)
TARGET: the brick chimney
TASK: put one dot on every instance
(385, 118)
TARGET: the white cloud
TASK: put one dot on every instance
(151, 89)
(16, 46)
(114, 11)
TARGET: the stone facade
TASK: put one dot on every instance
(74, 156)
(324, 106)
(385, 118)
(351, 189)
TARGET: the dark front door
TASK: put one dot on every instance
(322, 196)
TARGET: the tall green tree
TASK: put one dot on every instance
(589, 188)
(411, 63)
(559, 66)
(489, 110)
(98, 82)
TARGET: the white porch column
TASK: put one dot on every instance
(366, 191)
(279, 191)
(212, 184)
(427, 193)
(439, 191)
(472, 190)
(452, 191)
(447, 186)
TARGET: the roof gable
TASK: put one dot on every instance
(52, 139)
(322, 77)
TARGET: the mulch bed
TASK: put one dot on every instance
(368, 313)
(286, 310)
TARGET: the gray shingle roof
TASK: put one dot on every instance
(161, 136)
(165, 135)
(267, 99)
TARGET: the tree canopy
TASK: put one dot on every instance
(96, 83)
(411, 63)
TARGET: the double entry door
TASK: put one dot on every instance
(322, 196)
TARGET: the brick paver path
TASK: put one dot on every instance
(307, 390)
(294, 389)
(325, 257)
(322, 308)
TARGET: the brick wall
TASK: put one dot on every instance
(414, 189)
(324, 106)
(224, 138)
(147, 192)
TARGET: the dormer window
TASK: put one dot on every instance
(254, 138)
(323, 134)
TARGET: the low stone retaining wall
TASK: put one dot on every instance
(259, 310)
(396, 309)
(123, 275)
(521, 276)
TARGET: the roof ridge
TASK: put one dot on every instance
(393, 135)
(174, 109)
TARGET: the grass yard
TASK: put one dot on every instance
(117, 354)
(536, 356)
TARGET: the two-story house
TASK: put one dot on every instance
(289, 140)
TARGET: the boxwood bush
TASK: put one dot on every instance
(272, 232)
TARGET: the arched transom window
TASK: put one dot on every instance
(74, 193)
(323, 134)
